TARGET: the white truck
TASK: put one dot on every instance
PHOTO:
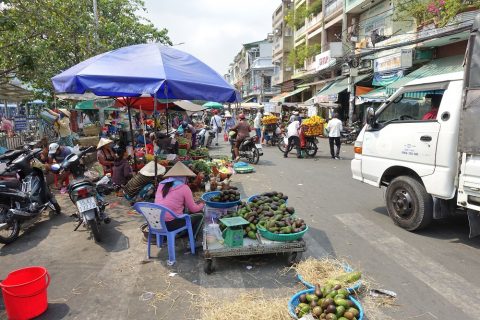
(428, 160)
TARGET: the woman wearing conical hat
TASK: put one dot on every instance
(105, 154)
(175, 194)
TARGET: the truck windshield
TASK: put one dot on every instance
(414, 106)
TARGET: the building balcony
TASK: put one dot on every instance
(356, 6)
(277, 46)
(332, 7)
(300, 32)
(277, 19)
(314, 23)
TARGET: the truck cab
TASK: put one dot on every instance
(423, 145)
(410, 146)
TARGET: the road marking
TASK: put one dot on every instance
(449, 285)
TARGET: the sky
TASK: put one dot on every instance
(213, 30)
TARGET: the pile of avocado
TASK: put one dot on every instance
(269, 211)
(226, 196)
(329, 303)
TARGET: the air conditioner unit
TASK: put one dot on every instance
(288, 69)
(366, 64)
(277, 31)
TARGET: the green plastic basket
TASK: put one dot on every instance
(281, 237)
(182, 152)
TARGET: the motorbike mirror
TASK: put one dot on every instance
(370, 116)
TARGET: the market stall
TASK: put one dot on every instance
(263, 224)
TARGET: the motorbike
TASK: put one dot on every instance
(249, 149)
(201, 136)
(310, 149)
(87, 196)
(28, 200)
(212, 133)
(349, 134)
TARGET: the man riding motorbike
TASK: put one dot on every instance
(242, 128)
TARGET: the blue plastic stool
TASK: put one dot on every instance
(155, 216)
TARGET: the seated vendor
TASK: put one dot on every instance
(175, 194)
(140, 140)
(105, 154)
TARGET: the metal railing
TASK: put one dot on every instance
(300, 32)
(332, 7)
(316, 19)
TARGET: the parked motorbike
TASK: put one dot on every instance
(249, 149)
(28, 200)
(349, 134)
(87, 196)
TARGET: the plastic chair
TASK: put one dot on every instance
(155, 216)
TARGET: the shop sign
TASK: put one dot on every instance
(20, 123)
(399, 60)
(383, 79)
(324, 60)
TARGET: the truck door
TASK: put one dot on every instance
(405, 134)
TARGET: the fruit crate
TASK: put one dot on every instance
(295, 300)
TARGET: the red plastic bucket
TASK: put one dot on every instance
(25, 292)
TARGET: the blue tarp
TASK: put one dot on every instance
(146, 69)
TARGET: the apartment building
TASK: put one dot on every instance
(252, 70)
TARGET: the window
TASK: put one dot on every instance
(412, 106)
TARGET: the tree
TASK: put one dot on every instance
(40, 38)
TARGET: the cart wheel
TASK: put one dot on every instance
(208, 266)
(294, 257)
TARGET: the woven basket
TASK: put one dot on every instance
(91, 131)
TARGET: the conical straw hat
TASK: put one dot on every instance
(103, 142)
(65, 112)
(149, 169)
(179, 170)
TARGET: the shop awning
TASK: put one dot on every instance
(280, 97)
(105, 104)
(292, 93)
(378, 95)
(330, 92)
(433, 68)
(14, 90)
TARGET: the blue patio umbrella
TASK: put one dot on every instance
(146, 69)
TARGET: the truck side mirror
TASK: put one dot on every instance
(370, 116)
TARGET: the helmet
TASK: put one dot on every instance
(241, 116)
(53, 147)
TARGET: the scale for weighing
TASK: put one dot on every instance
(233, 234)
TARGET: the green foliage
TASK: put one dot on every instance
(439, 11)
(296, 18)
(315, 7)
(40, 38)
(313, 50)
(297, 57)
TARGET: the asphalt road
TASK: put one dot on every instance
(434, 272)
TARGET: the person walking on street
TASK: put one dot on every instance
(257, 125)
(216, 124)
(293, 138)
(334, 127)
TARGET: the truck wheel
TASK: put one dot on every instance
(408, 203)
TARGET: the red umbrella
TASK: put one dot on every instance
(141, 103)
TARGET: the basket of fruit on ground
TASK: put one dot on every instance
(330, 303)
(222, 199)
(350, 279)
